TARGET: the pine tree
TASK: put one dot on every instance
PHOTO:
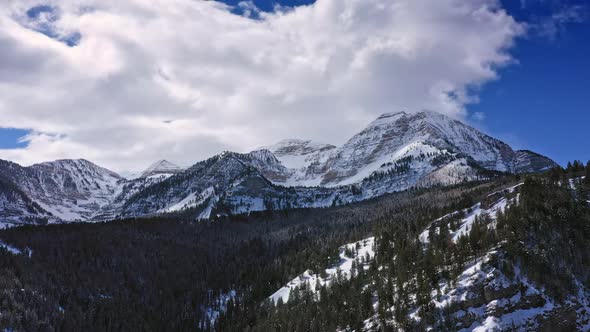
(556, 174)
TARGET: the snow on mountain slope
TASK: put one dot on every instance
(228, 183)
(394, 138)
(161, 168)
(480, 298)
(527, 161)
(219, 173)
(190, 201)
(395, 152)
(301, 157)
(460, 222)
(68, 189)
(357, 254)
(296, 153)
(16, 208)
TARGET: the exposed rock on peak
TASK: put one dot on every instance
(161, 167)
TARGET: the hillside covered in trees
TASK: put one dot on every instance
(157, 274)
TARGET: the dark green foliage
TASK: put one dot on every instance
(547, 236)
(159, 274)
(548, 233)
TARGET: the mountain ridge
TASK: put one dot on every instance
(396, 151)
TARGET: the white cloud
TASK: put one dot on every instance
(478, 116)
(551, 26)
(184, 79)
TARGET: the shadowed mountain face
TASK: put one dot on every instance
(64, 189)
(395, 152)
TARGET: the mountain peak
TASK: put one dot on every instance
(161, 167)
(78, 164)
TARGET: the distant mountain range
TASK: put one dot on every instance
(395, 152)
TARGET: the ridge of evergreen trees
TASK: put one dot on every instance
(547, 235)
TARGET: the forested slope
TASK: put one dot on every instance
(175, 274)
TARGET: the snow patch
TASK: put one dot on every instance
(190, 201)
(361, 249)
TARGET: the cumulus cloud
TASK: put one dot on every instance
(185, 79)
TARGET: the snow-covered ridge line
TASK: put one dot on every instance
(481, 297)
(365, 246)
(471, 214)
(362, 252)
(395, 152)
(15, 251)
(190, 201)
(10, 249)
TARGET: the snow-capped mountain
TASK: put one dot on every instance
(395, 152)
(155, 173)
(67, 189)
(399, 138)
(229, 183)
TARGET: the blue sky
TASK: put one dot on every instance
(9, 138)
(542, 103)
(126, 93)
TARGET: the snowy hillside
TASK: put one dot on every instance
(67, 189)
(487, 293)
(16, 208)
(352, 256)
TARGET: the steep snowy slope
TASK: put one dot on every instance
(154, 174)
(527, 161)
(68, 189)
(397, 138)
(228, 183)
(302, 158)
(488, 293)
(16, 208)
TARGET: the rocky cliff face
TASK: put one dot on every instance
(68, 189)
(16, 208)
(527, 161)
